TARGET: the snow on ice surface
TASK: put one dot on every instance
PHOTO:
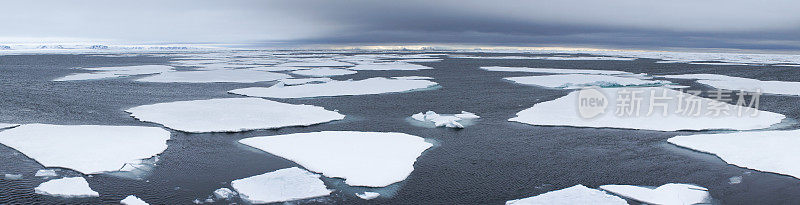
(743, 84)
(575, 81)
(115, 72)
(564, 112)
(317, 63)
(577, 194)
(369, 86)
(667, 194)
(287, 184)
(214, 76)
(88, 149)
(768, 151)
(439, 120)
(46, 173)
(324, 72)
(6, 125)
(133, 200)
(231, 115)
(300, 81)
(395, 65)
(372, 159)
(553, 70)
(368, 195)
(66, 187)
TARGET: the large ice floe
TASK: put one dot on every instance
(71, 187)
(132, 200)
(88, 149)
(279, 186)
(394, 65)
(300, 81)
(578, 58)
(316, 63)
(214, 76)
(439, 120)
(577, 194)
(372, 159)
(667, 194)
(116, 72)
(369, 86)
(6, 125)
(232, 114)
(672, 111)
(575, 81)
(768, 151)
(553, 70)
(743, 84)
(324, 72)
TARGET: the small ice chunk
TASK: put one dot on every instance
(575, 81)
(88, 149)
(577, 194)
(735, 180)
(300, 81)
(368, 195)
(133, 200)
(46, 173)
(324, 72)
(279, 186)
(13, 176)
(373, 159)
(66, 187)
(554, 70)
(419, 116)
(467, 115)
(438, 120)
(214, 76)
(224, 193)
(665, 194)
(232, 114)
(394, 65)
(369, 86)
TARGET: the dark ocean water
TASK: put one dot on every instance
(487, 163)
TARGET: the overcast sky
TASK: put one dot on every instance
(610, 23)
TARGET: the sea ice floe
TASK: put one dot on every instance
(694, 113)
(438, 120)
(394, 65)
(6, 125)
(223, 66)
(372, 159)
(133, 200)
(114, 72)
(768, 151)
(70, 187)
(46, 173)
(324, 72)
(553, 70)
(693, 63)
(232, 114)
(224, 193)
(576, 81)
(667, 194)
(279, 186)
(605, 58)
(277, 68)
(12, 176)
(369, 86)
(743, 84)
(317, 63)
(368, 195)
(88, 149)
(213, 76)
(577, 194)
(300, 81)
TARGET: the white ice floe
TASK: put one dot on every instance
(317, 63)
(213, 76)
(768, 151)
(576, 81)
(373, 159)
(6, 125)
(279, 186)
(300, 81)
(88, 149)
(438, 120)
(66, 187)
(115, 72)
(368, 195)
(12, 176)
(695, 113)
(577, 194)
(394, 65)
(324, 72)
(231, 114)
(223, 66)
(667, 194)
(46, 173)
(133, 200)
(718, 63)
(224, 193)
(743, 84)
(369, 86)
(277, 68)
(553, 70)
(577, 58)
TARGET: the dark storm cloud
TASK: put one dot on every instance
(612, 23)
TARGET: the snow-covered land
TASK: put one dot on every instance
(667, 194)
(279, 186)
(116, 72)
(88, 149)
(324, 72)
(768, 151)
(369, 86)
(446, 120)
(71, 187)
(553, 70)
(231, 114)
(743, 84)
(577, 194)
(214, 76)
(132, 200)
(373, 159)
(576, 81)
